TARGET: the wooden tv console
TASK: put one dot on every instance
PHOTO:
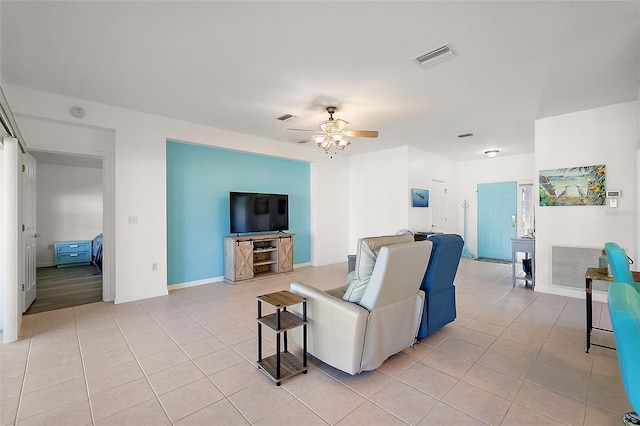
(250, 256)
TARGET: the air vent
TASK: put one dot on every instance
(436, 55)
(286, 117)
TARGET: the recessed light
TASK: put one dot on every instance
(491, 153)
(465, 135)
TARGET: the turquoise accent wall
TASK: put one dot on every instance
(199, 180)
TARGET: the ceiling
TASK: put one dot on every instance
(56, 159)
(240, 65)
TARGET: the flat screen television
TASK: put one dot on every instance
(255, 212)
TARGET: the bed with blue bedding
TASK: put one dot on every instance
(96, 253)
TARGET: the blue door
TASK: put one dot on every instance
(497, 204)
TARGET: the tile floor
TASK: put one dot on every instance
(512, 357)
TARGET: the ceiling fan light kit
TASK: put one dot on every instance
(333, 126)
(333, 133)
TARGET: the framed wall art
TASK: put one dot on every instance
(573, 186)
(419, 198)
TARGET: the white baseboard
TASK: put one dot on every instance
(577, 293)
(196, 283)
(212, 280)
(135, 298)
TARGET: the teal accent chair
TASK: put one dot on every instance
(624, 311)
(619, 263)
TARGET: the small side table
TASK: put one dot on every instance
(527, 246)
(590, 275)
(282, 364)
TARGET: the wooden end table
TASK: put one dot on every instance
(282, 364)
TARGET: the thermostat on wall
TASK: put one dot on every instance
(614, 194)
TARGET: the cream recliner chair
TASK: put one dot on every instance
(356, 337)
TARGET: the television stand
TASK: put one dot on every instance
(252, 256)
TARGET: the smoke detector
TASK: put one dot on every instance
(438, 54)
(77, 111)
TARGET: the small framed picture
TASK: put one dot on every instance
(420, 197)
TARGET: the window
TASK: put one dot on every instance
(528, 218)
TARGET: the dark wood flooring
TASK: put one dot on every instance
(58, 288)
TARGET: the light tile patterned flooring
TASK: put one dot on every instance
(512, 357)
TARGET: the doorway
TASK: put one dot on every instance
(69, 209)
(439, 206)
(497, 219)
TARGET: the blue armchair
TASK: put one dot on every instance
(440, 293)
(624, 310)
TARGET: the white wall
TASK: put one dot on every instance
(330, 210)
(139, 174)
(69, 207)
(425, 167)
(11, 242)
(380, 191)
(378, 194)
(606, 135)
(519, 168)
(3, 257)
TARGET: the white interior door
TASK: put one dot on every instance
(29, 228)
(438, 204)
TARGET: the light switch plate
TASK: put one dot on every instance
(613, 203)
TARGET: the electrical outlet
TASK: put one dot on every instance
(154, 266)
(133, 220)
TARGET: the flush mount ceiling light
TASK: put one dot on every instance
(491, 153)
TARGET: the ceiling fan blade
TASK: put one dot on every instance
(362, 133)
(303, 130)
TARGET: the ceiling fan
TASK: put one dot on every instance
(333, 133)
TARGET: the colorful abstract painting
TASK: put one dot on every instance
(573, 186)
(420, 197)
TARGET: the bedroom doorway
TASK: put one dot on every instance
(70, 193)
